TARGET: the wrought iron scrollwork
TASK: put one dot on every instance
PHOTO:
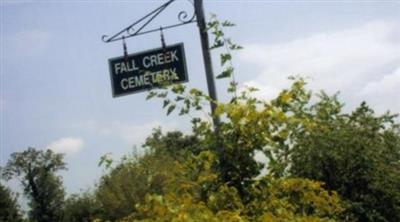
(132, 30)
(183, 16)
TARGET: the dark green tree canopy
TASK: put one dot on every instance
(36, 170)
(81, 207)
(356, 154)
(9, 209)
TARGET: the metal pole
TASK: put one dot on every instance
(205, 45)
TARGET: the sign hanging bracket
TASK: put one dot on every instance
(163, 45)
(125, 49)
(136, 29)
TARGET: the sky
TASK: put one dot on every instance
(55, 81)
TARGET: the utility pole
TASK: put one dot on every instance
(205, 45)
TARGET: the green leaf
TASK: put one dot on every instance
(235, 47)
(166, 102)
(171, 108)
(150, 95)
(162, 95)
(227, 23)
(178, 88)
(183, 111)
(212, 25)
(232, 86)
(217, 44)
(218, 33)
(179, 98)
(195, 92)
(226, 73)
(225, 57)
(252, 89)
(105, 160)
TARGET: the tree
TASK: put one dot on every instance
(81, 208)
(197, 195)
(195, 186)
(36, 170)
(9, 209)
(356, 154)
(127, 183)
(316, 154)
(222, 181)
(174, 144)
(181, 178)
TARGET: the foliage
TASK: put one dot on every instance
(129, 181)
(292, 199)
(216, 27)
(36, 170)
(356, 154)
(9, 209)
(322, 164)
(182, 208)
(174, 144)
(81, 208)
(228, 185)
(200, 198)
(178, 97)
(193, 191)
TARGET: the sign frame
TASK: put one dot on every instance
(184, 67)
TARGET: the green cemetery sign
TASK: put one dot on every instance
(148, 69)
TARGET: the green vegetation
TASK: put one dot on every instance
(355, 154)
(36, 170)
(82, 207)
(9, 209)
(322, 164)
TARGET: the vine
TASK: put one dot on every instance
(178, 97)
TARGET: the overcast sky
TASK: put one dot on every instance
(55, 83)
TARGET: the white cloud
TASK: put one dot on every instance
(67, 145)
(135, 133)
(350, 61)
(387, 84)
(131, 133)
(386, 89)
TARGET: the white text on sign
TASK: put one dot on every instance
(147, 62)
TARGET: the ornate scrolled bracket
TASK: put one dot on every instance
(184, 17)
(135, 29)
